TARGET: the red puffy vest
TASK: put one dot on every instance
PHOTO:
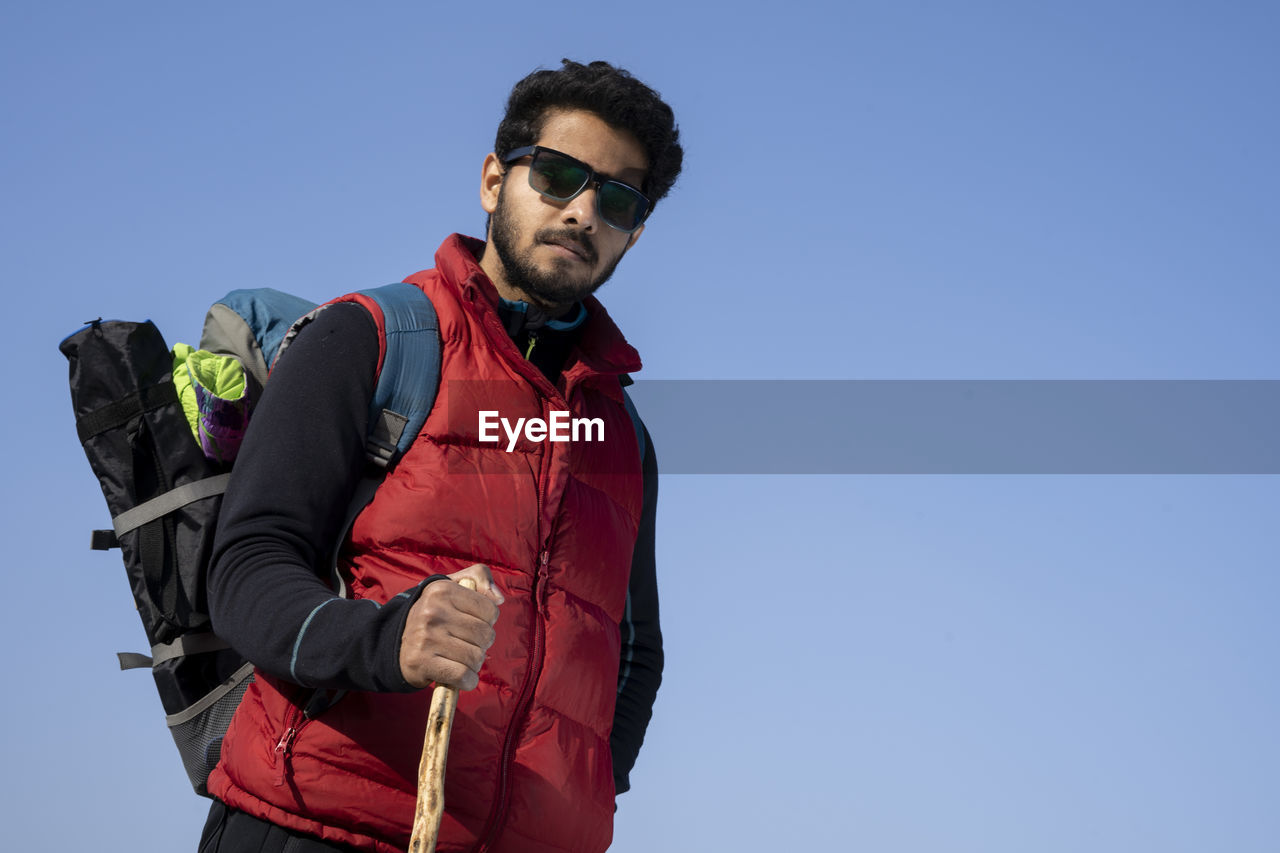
(529, 762)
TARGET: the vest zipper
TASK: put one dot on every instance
(540, 593)
(499, 814)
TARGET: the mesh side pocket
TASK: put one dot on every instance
(199, 729)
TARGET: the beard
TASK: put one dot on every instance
(559, 286)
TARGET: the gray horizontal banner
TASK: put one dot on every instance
(963, 426)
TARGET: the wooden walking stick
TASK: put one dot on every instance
(435, 751)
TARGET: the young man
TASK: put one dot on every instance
(558, 652)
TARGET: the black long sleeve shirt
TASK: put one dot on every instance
(297, 470)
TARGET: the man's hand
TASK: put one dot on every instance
(449, 630)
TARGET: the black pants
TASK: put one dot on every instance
(230, 831)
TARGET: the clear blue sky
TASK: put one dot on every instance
(906, 190)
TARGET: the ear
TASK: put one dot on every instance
(491, 175)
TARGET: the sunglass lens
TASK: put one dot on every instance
(621, 206)
(556, 177)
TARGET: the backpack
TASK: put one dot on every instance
(164, 493)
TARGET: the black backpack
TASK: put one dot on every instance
(164, 494)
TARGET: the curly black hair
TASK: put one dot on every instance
(611, 93)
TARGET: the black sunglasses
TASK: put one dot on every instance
(559, 176)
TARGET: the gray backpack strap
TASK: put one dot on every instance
(188, 644)
(175, 498)
(386, 429)
(133, 660)
(212, 698)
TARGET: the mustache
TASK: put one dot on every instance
(569, 237)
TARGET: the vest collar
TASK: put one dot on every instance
(601, 349)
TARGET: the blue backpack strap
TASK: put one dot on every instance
(405, 392)
(410, 376)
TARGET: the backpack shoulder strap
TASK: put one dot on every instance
(408, 371)
(408, 381)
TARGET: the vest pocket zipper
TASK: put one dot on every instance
(318, 702)
(284, 747)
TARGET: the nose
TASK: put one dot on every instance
(582, 209)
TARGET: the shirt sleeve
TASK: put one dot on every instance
(301, 461)
(640, 669)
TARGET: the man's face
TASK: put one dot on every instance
(553, 253)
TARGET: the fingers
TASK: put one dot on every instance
(427, 657)
(456, 664)
(457, 597)
(447, 633)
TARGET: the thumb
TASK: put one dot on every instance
(481, 580)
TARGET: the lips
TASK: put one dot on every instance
(579, 249)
